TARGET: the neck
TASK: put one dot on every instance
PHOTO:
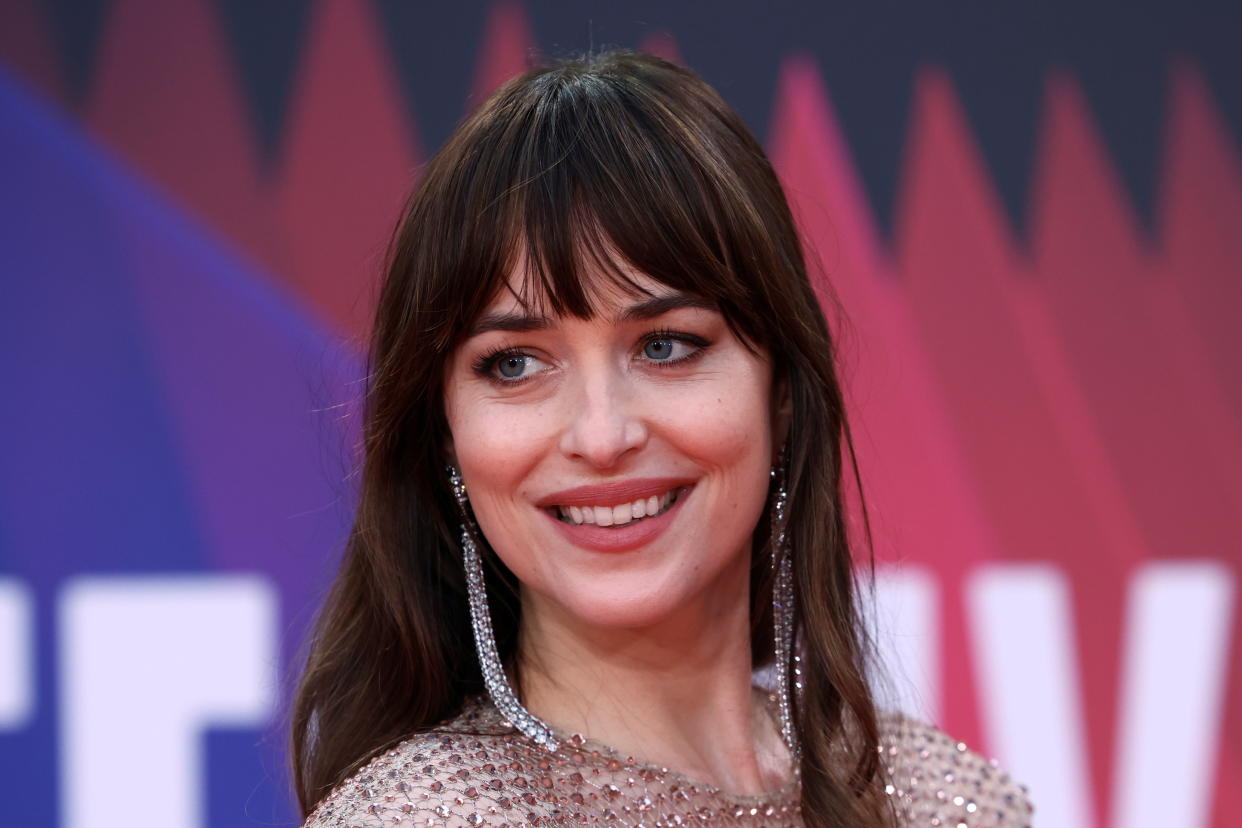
(676, 693)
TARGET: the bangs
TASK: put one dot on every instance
(579, 182)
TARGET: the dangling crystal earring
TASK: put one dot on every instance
(783, 611)
(494, 676)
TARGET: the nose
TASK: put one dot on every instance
(604, 423)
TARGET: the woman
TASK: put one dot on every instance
(602, 487)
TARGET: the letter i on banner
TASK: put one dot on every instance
(16, 654)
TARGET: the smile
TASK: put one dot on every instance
(620, 514)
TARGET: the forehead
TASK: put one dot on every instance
(608, 293)
(618, 304)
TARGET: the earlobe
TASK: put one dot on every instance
(782, 414)
(450, 453)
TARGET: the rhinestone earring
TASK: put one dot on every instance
(494, 676)
(783, 611)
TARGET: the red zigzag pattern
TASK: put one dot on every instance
(1077, 400)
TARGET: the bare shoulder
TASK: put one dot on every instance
(937, 780)
(435, 778)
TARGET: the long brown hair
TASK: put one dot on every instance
(573, 165)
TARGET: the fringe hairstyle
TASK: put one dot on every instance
(571, 166)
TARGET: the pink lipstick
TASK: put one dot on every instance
(618, 516)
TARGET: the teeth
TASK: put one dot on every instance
(617, 515)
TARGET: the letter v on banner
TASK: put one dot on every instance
(1176, 650)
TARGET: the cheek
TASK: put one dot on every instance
(725, 431)
(496, 447)
(723, 425)
(494, 443)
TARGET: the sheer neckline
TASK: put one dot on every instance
(582, 749)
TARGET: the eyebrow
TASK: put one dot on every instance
(647, 309)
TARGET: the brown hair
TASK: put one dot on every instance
(570, 165)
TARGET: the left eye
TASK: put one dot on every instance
(666, 350)
(516, 366)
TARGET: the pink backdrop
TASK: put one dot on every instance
(1049, 420)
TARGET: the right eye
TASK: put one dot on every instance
(512, 367)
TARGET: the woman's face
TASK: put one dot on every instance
(617, 465)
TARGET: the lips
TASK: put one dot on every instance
(614, 493)
(619, 516)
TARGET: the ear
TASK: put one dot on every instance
(782, 414)
(450, 452)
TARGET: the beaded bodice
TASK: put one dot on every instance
(477, 770)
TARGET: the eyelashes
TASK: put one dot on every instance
(697, 344)
(489, 364)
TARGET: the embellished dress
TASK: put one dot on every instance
(477, 770)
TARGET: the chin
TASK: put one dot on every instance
(636, 599)
(604, 611)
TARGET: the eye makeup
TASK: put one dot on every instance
(491, 363)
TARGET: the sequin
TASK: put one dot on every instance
(478, 770)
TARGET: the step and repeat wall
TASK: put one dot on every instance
(1032, 217)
